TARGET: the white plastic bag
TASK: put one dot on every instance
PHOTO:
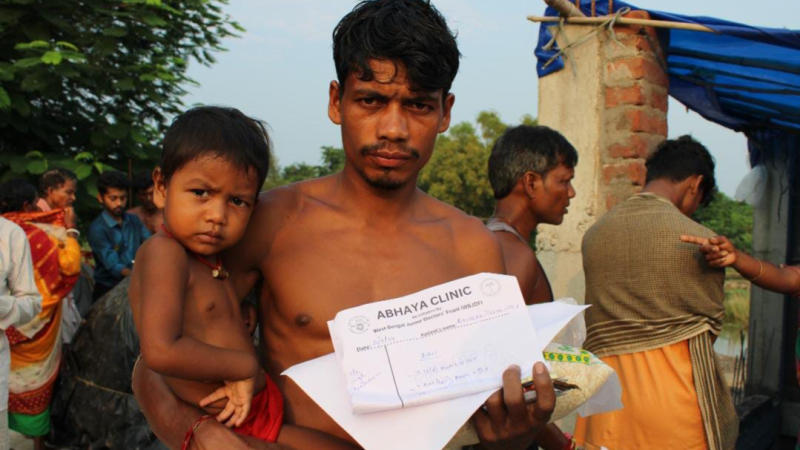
(70, 318)
(753, 186)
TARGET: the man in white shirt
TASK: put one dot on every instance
(20, 302)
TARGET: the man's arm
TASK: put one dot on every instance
(24, 301)
(104, 253)
(507, 421)
(170, 418)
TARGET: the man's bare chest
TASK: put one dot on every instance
(322, 274)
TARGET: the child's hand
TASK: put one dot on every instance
(718, 250)
(239, 395)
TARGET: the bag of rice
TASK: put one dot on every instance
(582, 381)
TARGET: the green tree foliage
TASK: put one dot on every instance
(457, 170)
(332, 162)
(730, 218)
(90, 85)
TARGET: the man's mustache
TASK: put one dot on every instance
(394, 147)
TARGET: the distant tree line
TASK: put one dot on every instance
(456, 174)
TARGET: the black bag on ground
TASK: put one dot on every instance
(93, 406)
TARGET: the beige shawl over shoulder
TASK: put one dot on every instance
(649, 290)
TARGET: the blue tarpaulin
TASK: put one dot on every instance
(743, 77)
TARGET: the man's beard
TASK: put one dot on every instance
(116, 212)
(384, 181)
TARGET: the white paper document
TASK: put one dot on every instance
(447, 341)
(428, 426)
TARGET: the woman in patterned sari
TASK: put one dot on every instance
(36, 345)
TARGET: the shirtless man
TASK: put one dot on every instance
(530, 170)
(366, 233)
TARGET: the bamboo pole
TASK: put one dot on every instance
(625, 21)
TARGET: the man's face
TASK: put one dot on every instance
(61, 196)
(552, 195)
(114, 201)
(388, 129)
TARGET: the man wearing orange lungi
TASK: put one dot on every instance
(656, 310)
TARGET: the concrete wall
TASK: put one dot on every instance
(610, 101)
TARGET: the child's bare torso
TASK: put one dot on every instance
(211, 314)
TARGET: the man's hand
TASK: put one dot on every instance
(508, 422)
(239, 395)
(718, 250)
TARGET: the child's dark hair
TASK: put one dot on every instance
(678, 159)
(55, 178)
(219, 131)
(14, 194)
(112, 179)
(411, 32)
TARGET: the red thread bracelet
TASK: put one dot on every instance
(570, 442)
(189, 434)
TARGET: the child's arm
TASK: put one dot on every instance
(720, 252)
(164, 267)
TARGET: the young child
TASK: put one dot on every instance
(189, 321)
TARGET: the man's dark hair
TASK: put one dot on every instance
(678, 159)
(142, 180)
(112, 179)
(527, 148)
(55, 178)
(219, 131)
(14, 194)
(411, 32)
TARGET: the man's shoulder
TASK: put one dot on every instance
(461, 223)
(8, 228)
(98, 223)
(281, 203)
(473, 242)
(11, 233)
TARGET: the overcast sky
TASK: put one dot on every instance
(279, 69)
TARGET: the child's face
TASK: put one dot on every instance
(207, 203)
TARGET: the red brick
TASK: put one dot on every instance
(635, 147)
(639, 68)
(643, 121)
(630, 95)
(658, 100)
(637, 14)
(633, 171)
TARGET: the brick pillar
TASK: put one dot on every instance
(610, 101)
